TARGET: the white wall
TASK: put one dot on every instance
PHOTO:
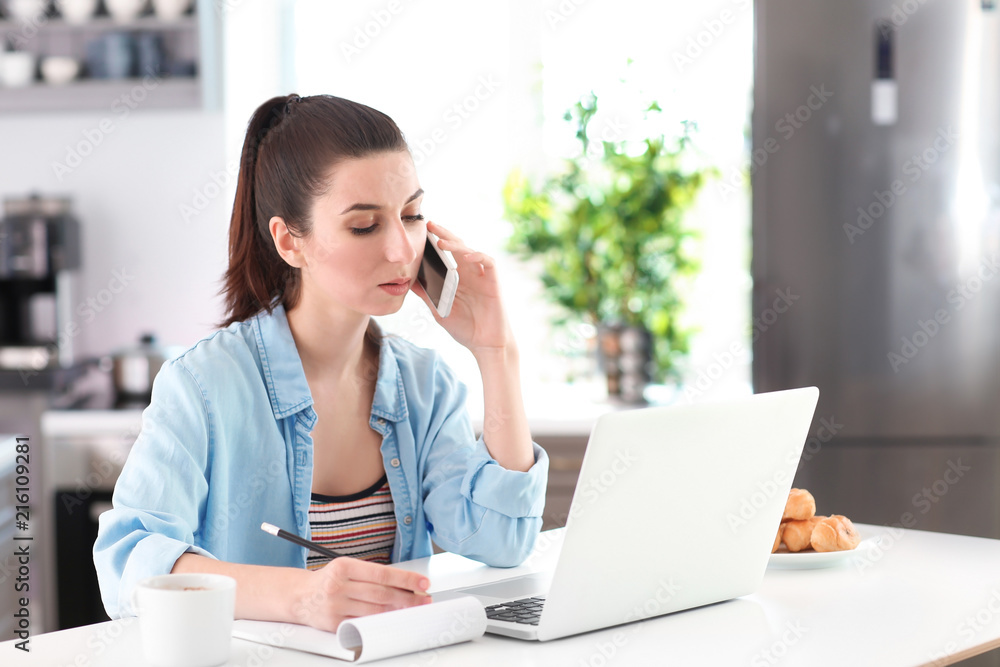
(127, 194)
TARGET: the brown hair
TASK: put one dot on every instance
(291, 145)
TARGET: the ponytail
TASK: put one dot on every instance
(291, 145)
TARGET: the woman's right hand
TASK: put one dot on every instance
(347, 588)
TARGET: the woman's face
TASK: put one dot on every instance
(368, 235)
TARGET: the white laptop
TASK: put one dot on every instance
(675, 507)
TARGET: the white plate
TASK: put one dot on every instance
(808, 560)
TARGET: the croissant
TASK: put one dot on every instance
(798, 534)
(834, 533)
(800, 505)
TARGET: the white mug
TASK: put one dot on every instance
(17, 68)
(186, 619)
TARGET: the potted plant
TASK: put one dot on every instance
(609, 234)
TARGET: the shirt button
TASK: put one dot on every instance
(381, 421)
(407, 519)
(394, 463)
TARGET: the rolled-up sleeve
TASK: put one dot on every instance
(160, 494)
(474, 506)
(510, 492)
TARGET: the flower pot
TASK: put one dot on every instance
(625, 355)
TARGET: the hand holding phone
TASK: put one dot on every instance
(438, 275)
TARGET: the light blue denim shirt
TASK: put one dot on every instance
(225, 445)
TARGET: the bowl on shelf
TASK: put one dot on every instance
(124, 11)
(24, 10)
(17, 68)
(170, 10)
(76, 11)
(59, 70)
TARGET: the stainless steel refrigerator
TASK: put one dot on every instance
(876, 250)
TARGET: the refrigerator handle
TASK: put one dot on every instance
(884, 91)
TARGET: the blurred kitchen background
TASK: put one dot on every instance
(864, 130)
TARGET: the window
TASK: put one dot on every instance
(481, 87)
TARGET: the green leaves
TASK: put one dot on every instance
(609, 233)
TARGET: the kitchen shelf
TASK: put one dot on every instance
(102, 95)
(185, 22)
(191, 38)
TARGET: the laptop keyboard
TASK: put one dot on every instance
(526, 611)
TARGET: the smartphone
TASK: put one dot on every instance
(438, 276)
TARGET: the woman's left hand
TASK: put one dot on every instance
(477, 319)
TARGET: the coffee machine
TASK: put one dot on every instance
(39, 258)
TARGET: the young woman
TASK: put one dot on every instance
(301, 414)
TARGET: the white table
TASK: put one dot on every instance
(919, 598)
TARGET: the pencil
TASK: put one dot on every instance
(301, 541)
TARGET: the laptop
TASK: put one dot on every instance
(676, 507)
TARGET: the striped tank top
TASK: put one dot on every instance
(361, 525)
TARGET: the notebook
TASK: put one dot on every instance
(377, 636)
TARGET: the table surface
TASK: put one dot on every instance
(914, 598)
